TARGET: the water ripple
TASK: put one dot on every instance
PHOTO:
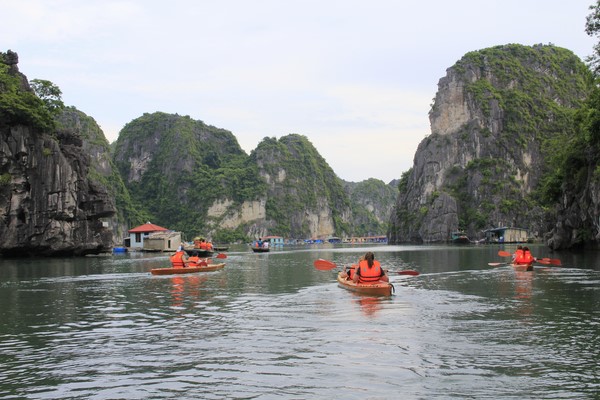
(284, 330)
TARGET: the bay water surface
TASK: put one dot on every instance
(272, 326)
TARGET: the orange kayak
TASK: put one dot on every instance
(522, 267)
(377, 288)
(187, 270)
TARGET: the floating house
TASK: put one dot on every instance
(162, 241)
(366, 239)
(273, 240)
(139, 233)
(506, 235)
(313, 241)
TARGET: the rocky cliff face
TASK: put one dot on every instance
(102, 174)
(50, 202)
(578, 216)
(494, 113)
(304, 196)
(372, 204)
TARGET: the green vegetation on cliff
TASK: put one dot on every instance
(539, 90)
(185, 166)
(19, 105)
(74, 123)
(372, 202)
(575, 162)
(299, 180)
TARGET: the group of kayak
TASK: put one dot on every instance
(369, 277)
(366, 277)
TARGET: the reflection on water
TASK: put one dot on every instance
(272, 326)
(369, 305)
(186, 287)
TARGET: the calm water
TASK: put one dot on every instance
(272, 326)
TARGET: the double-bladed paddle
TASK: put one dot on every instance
(553, 261)
(325, 265)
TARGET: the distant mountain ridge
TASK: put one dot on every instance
(195, 178)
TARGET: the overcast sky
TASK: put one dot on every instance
(355, 77)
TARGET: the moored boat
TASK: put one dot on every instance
(378, 288)
(459, 237)
(187, 270)
(200, 247)
(194, 251)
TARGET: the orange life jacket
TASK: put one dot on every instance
(527, 257)
(177, 260)
(193, 261)
(369, 274)
(518, 256)
(523, 257)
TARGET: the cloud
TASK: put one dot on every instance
(342, 73)
(58, 21)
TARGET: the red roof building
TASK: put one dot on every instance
(137, 234)
(147, 228)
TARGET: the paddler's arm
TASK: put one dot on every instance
(384, 277)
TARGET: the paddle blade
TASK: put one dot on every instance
(503, 253)
(221, 255)
(324, 265)
(408, 272)
(548, 261)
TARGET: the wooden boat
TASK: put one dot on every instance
(194, 251)
(261, 249)
(378, 288)
(187, 270)
(459, 237)
(220, 248)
